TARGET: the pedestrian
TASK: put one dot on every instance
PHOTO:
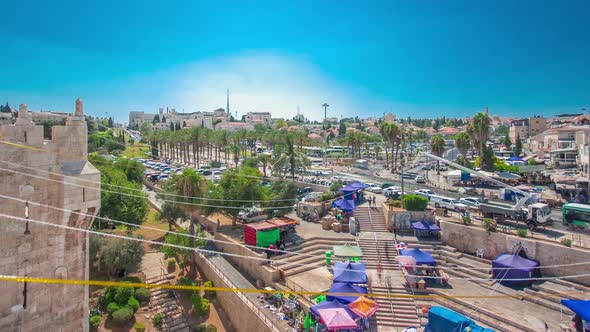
(369, 201)
(374, 200)
(379, 270)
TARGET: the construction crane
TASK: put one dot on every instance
(537, 214)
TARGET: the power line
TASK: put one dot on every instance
(125, 284)
(250, 257)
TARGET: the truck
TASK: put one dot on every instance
(576, 215)
(534, 215)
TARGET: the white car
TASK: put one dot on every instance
(458, 206)
(375, 189)
(471, 201)
(392, 188)
(424, 192)
(420, 178)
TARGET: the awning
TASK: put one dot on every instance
(348, 250)
(509, 266)
(406, 260)
(421, 257)
(346, 205)
(425, 226)
(345, 292)
(364, 307)
(331, 305)
(350, 272)
(336, 319)
(580, 307)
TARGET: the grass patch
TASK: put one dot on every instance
(137, 150)
(151, 221)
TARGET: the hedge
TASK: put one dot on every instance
(143, 295)
(133, 304)
(139, 327)
(95, 322)
(123, 315)
(413, 202)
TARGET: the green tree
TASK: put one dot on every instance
(156, 119)
(487, 158)
(502, 130)
(170, 213)
(462, 143)
(241, 184)
(110, 122)
(480, 129)
(507, 142)
(115, 255)
(437, 146)
(180, 238)
(133, 169)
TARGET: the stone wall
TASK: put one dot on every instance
(242, 317)
(470, 238)
(39, 250)
(400, 219)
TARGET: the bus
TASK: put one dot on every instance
(577, 215)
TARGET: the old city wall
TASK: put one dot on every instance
(39, 250)
(470, 238)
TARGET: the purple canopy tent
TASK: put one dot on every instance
(338, 290)
(422, 257)
(346, 205)
(350, 272)
(509, 266)
(353, 188)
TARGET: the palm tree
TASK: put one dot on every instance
(437, 145)
(384, 131)
(170, 213)
(290, 160)
(462, 143)
(481, 130)
(264, 158)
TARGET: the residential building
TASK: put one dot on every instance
(389, 118)
(525, 128)
(258, 117)
(194, 119)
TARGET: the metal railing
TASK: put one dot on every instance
(261, 314)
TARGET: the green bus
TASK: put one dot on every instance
(577, 215)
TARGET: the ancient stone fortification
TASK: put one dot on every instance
(44, 251)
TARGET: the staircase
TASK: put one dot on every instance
(375, 224)
(161, 302)
(379, 249)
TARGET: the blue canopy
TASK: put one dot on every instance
(345, 205)
(580, 307)
(350, 272)
(444, 320)
(422, 257)
(509, 266)
(515, 158)
(425, 226)
(345, 288)
(332, 305)
(353, 187)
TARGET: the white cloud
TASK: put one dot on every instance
(268, 82)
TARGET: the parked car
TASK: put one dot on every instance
(392, 188)
(447, 202)
(394, 194)
(472, 201)
(424, 192)
(375, 189)
(443, 167)
(420, 178)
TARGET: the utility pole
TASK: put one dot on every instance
(325, 106)
(588, 167)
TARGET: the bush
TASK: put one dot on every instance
(157, 319)
(186, 282)
(171, 264)
(200, 305)
(567, 242)
(396, 203)
(170, 293)
(522, 232)
(489, 225)
(95, 322)
(139, 327)
(336, 185)
(143, 295)
(133, 304)
(122, 295)
(209, 294)
(211, 328)
(123, 315)
(181, 264)
(413, 202)
(199, 328)
(112, 307)
(326, 196)
(134, 280)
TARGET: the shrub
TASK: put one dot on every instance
(326, 196)
(133, 304)
(95, 312)
(134, 280)
(170, 293)
(199, 328)
(181, 264)
(567, 242)
(186, 282)
(123, 315)
(157, 319)
(171, 264)
(95, 322)
(143, 295)
(489, 225)
(396, 203)
(522, 232)
(139, 327)
(112, 307)
(211, 328)
(200, 305)
(209, 294)
(122, 295)
(413, 202)
(336, 185)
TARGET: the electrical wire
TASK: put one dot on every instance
(250, 257)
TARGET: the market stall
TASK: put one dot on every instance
(441, 319)
(424, 228)
(509, 266)
(364, 307)
(337, 319)
(345, 292)
(353, 191)
(354, 273)
(348, 251)
(421, 257)
(581, 308)
(265, 233)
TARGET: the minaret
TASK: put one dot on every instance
(227, 103)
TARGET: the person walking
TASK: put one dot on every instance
(374, 200)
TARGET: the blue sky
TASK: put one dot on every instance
(418, 58)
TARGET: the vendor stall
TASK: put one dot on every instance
(346, 205)
(343, 292)
(441, 319)
(348, 251)
(364, 307)
(509, 266)
(332, 305)
(354, 273)
(265, 233)
(581, 308)
(353, 191)
(421, 257)
(424, 228)
(337, 319)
